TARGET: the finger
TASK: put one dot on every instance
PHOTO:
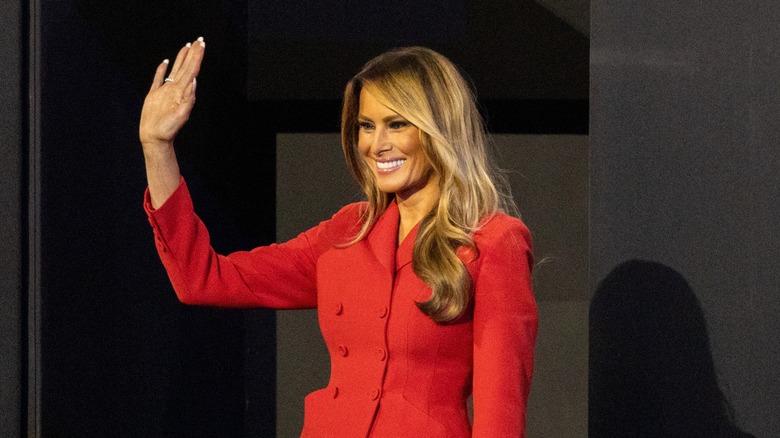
(188, 101)
(180, 57)
(188, 96)
(192, 62)
(159, 75)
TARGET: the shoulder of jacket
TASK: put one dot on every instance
(345, 224)
(499, 227)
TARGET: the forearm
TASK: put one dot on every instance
(162, 172)
(279, 276)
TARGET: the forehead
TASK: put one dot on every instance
(373, 104)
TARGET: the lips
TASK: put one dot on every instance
(389, 166)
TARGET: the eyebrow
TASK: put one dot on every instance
(384, 119)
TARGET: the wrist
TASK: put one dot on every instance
(156, 149)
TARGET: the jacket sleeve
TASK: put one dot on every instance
(505, 324)
(280, 276)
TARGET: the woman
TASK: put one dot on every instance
(423, 292)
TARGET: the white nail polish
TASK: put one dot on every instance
(188, 45)
(200, 39)
(166, 61)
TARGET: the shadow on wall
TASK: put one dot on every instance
(651, 368)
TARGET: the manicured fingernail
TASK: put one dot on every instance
(166, 61)
(188, 45)
(200, 39)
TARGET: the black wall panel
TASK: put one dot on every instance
(120, 356)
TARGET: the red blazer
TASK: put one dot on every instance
(394, 372)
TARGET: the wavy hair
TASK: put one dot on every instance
(427, 89)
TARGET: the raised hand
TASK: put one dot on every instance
(166, 109)
(170, 100)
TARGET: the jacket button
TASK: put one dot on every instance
(343, 350)
(382, 311)
(381, 354)
(338, 308)
(335, 391)
(374, 394)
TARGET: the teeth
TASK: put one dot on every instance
(389, 164)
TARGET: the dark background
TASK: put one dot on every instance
(683, 106)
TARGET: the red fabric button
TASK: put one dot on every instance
(343, 350)
(338, 308)
(382, 311)
(381, 354)
(374, 394)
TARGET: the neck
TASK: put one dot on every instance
(413, 207)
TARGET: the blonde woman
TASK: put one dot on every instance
(423, 291)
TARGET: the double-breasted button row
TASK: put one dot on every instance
(380, 353)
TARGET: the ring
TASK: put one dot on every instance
(168, 80)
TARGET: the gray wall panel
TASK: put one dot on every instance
(684, 171)
(11, 200)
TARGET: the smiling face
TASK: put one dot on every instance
(391, 147)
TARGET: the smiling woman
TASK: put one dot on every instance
(449, 185)
(391, 148)
(423, 292)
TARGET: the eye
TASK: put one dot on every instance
(398, 124)
(366, 126)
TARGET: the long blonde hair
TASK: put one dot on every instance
(427, 89)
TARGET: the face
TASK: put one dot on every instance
(390, 146)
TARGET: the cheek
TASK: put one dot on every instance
(363, 153)
(415, 150)
(363, 147)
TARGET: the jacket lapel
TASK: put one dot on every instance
(406, 249)
(383, 237)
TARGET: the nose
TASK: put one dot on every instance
(381, 142)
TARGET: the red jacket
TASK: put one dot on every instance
(394, 372)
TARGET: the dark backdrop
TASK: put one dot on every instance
(684, 172)
(119, 356)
